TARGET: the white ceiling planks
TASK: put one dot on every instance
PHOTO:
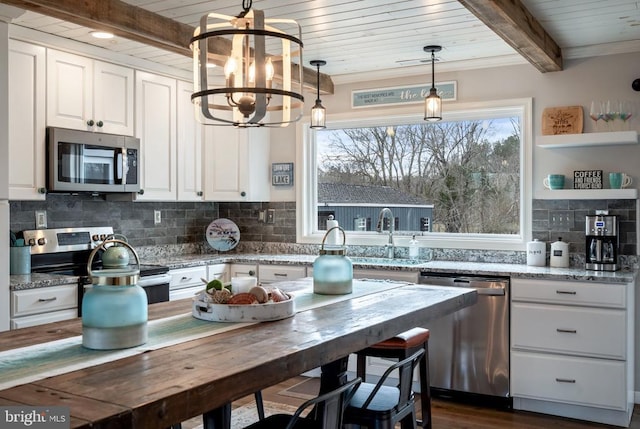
(383, 38)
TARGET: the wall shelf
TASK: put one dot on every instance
(587, 139)
(588, 194)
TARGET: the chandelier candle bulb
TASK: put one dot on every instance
(536, 253)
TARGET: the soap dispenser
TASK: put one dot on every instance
(414, 249)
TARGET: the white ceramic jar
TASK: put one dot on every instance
(559, 254)
(537, 253)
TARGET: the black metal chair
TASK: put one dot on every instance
(381, 406)
(327, 413)
(401, 347)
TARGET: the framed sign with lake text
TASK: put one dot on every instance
(397, 95)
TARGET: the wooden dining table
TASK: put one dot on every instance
(160, 386)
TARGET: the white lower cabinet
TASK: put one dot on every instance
(243, 270)
(278, 273)
(572, 349)
(31, 307)
(186, 282)
(218, 271)
(401, 276)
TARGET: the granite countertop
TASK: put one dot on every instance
(30, 281)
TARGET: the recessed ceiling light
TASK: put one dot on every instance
(102, 35)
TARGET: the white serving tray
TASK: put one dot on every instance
(243, 313)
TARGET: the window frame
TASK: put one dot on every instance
(306, 192)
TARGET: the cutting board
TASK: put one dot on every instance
(562, 120)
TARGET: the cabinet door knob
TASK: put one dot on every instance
(141, 192)
(252, 273)
(243, 194)
(199, 193)
(90, 122)
(100, 124)
(42, 190)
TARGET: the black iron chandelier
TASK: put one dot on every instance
(247, 69)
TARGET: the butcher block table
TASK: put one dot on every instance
(181, 375)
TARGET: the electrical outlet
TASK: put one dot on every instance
(41, 219)
(157, 217)
(561, 220)
(271, 216)
(262, 215)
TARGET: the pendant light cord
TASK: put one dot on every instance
(433, 70)
(318, 83)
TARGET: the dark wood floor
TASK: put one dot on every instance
(451, 415)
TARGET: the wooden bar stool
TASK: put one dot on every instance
(401, 347)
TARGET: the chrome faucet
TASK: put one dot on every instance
(389, 248)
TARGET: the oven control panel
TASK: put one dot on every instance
(65, 239)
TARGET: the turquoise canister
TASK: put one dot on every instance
(114, 308)
(333, 270)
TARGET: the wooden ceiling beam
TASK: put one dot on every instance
(135, 23)
(511, 20)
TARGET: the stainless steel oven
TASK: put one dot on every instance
(67, 250)
(83, 161)
(469, 349)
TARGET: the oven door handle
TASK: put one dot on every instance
(154, 280)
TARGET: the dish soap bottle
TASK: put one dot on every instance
(414, 249)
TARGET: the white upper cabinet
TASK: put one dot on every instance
(26, 121)
(86, 94)
(189, 147)
(156, 129)
(236, 164)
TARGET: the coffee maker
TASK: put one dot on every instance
(601, 232)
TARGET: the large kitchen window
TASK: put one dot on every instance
(460, 182)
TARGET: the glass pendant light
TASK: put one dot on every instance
(318, 112)
(433, 102)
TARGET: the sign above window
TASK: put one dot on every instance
(401, 95)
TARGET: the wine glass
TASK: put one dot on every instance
(595, 113)
(626, 112)
(608, 114)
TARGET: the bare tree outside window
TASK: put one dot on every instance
(468, 171)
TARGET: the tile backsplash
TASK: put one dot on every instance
(184, 224)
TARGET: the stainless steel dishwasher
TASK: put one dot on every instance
(469, 349)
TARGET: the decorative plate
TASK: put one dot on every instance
(223, 234)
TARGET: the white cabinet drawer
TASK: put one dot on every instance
(44, 299)
(243, 270)
(569, 293)
(41, 319)
(186, 277)
(575, 330)
(401, 276)
(574, 380)
(186, 292)
(218, 271)
(277, 273)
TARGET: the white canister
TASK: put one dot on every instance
(537, 253)
(559, 254)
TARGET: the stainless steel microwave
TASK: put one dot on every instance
(84, 161)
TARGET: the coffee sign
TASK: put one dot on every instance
(587, 179)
